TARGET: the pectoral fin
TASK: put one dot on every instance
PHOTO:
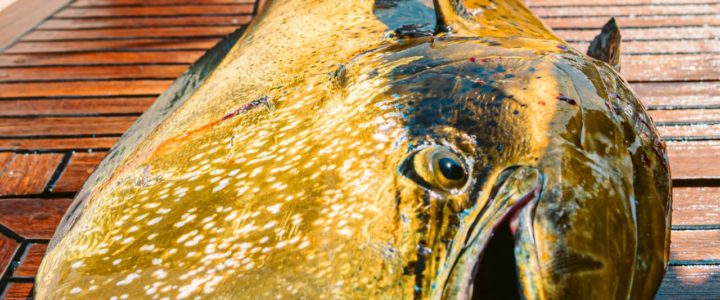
(606, 45)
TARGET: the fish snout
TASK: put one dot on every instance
(499, 245)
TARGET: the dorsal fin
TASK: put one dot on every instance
(606, 45)
(487, 18)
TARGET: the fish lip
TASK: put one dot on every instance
(524, 209)
(527, 202)
(458, 284)
(509, 216)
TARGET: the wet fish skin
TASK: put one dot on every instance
(327, 189)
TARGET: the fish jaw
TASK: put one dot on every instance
(512, 198)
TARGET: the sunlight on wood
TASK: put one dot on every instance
(6, 3)
(695, 275)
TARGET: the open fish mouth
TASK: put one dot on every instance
(500, 240)
(496, 275)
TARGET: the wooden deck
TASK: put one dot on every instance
(73, 84)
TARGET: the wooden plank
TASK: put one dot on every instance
(695, 245)
(28, 173)
(678, 94)
(690, 282)
(99, 88)
(57, 143)
(54, 126)
(676, 67)
(92, 106)
(34, 219)
(692, 160)
(22, 16)
(19, 291)
(686, 115)
(30, 261)
(5, 159)
(696, 206)
(85, 3)
(79, 168)
(8, 248)
(127, 33)
(70, 73)
(637, 21)
(100, 58)
(155, 11)
(6, 3)
(654, 47)
(125, 45)
(661, 33)
(628, 10)
(144, 22)
(689, 131)
(645, 68)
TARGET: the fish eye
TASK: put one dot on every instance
(451, 169)
(436, 168)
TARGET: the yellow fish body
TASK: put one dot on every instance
(337, 151)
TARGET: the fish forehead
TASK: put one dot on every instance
(493, 92)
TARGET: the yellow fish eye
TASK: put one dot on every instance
(436, 168)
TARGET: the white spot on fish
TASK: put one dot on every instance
(223, 183)
(147, 247)
(274, 209)
(270, 224)
(77, 264)
(154, 221)
(304, 245)
(128, 279)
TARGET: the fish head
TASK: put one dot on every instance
(512, 164)
(387, 178)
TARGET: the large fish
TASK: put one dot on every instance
(388, 149)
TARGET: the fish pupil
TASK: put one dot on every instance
(451, 169)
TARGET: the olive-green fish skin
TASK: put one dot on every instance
(379, 170)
